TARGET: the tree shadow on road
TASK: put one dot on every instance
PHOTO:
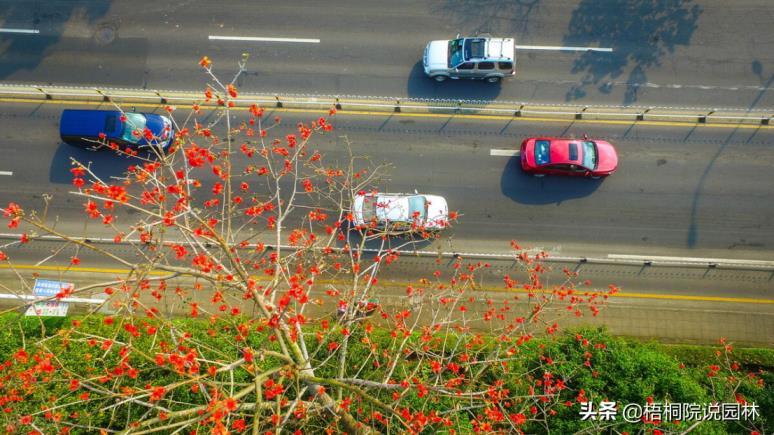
(640, 32)
(527, 189)
(498, 17)
(22, 53)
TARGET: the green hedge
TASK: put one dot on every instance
(621, 370)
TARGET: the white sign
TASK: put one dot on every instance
(48, 309)
(46, 288)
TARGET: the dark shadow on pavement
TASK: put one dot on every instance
(527, 189)
(403, 242)
(640, 32)
(421, 86)
(104, 163)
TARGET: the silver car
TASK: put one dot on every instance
(482, 58)
(401, 211)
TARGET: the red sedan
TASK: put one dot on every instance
(576, 157)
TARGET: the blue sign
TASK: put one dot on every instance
(48, 288)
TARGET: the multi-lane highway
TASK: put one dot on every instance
(682, 190)
(694, 53)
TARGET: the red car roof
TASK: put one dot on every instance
(560, 151)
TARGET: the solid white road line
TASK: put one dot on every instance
(262, 39)
(9, 173)
(690, 259)
(503, 153)
(29, 31)
(559, 48)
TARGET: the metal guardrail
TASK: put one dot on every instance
(516, 109)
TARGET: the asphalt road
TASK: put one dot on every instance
(667, 303)
(693, 53)
(693, 191)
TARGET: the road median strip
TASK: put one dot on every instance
(398, 106)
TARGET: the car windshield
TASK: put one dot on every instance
(418, 207)
(589, 154)
(134, 122)
(542, 154)
(455, 52)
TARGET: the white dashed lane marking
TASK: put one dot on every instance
(9, 173)
(503, 153)
(262, 39)
(27, 31)
(560, 48)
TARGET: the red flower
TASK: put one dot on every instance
(169, 219)
(12, 210)
(91, 209)
(157, 394)
(231, 404)
(239, 425)
(232, 91)
(256, 111)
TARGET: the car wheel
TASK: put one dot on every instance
(440, 79)
(494, 79)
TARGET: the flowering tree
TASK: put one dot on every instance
(277, 324)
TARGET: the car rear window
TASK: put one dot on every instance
(505, 65)
(573, 151)
(542, 154)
